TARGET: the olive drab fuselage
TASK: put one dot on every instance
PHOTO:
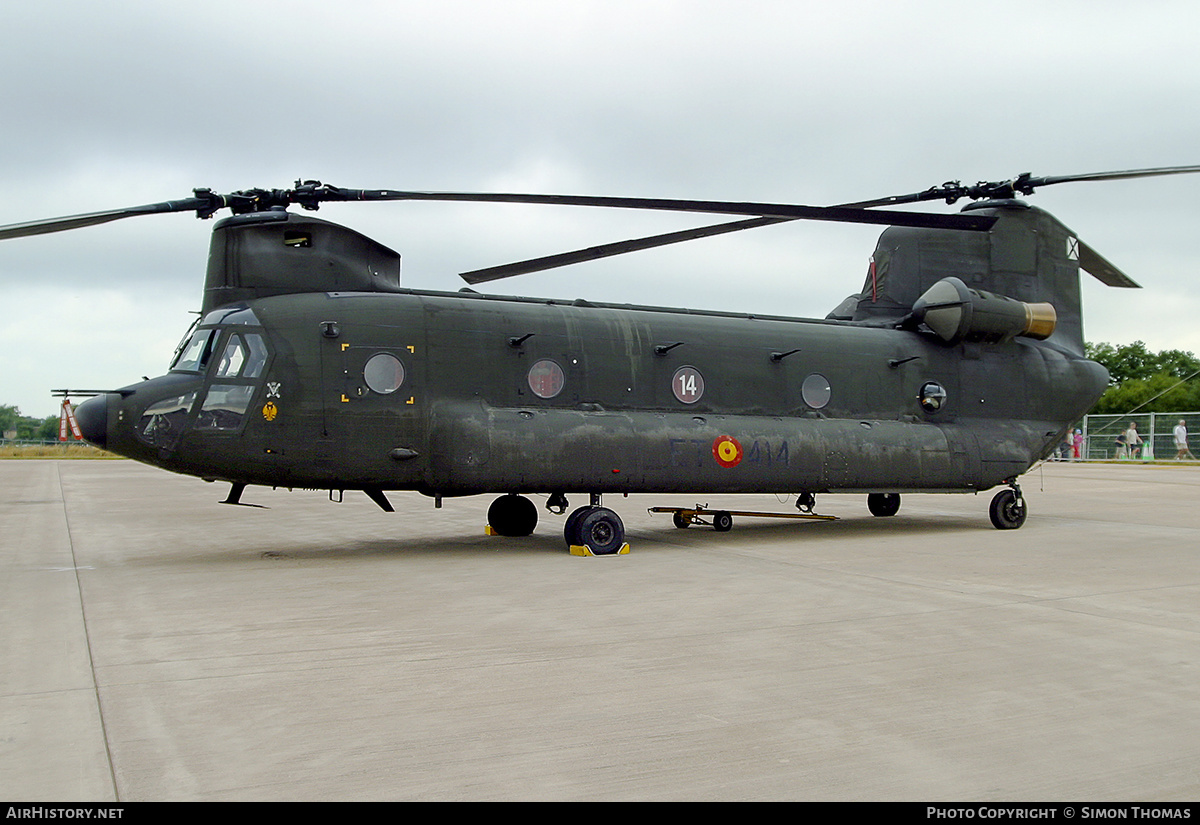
(455, 394)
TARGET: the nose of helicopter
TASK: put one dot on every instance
(92, 417)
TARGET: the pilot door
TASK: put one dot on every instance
(233, 382)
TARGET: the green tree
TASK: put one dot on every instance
(1167, 381)
(9, 416)
(26, 427)
(48, 430)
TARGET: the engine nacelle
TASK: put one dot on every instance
(955, 312)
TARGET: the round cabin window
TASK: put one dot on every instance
(383, 373)
(816, 391)
(933, 397)
(546, 378)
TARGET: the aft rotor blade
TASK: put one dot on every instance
(1130, 173)
(1023, 184)
(42, 227)
(1098, 266)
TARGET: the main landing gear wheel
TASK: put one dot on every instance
(512, 515)
(1008, 510)
(883, 504)
(598, 529)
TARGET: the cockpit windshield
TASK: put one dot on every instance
(231, 357)
(245, 353)
(193, 355)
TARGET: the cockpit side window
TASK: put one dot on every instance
(233, 357)
(245, 355)
(257, 359)
(224, 406)
(162, 423)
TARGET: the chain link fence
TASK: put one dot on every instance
(1104, 436)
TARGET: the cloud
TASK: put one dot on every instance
(135, 102)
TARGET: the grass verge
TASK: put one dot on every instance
(65, 450)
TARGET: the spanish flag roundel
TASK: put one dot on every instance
(727, 451)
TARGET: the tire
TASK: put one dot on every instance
(681, 521)
(570, 528)
(722, 522)
(1007, 510)
(600, 530)
(883, 504)
(513, 515)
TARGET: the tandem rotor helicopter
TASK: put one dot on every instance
(957, 367)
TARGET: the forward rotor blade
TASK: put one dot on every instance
(593, 253)
(312, 193)
(766, 210)
(42, 227)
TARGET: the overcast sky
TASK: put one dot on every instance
(115, 104)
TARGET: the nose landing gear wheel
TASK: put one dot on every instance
(1008, 510)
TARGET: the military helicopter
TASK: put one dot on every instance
(957, 367)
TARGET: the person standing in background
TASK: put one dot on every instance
(1133, 441)
(1181, 445)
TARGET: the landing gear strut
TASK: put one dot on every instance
(1008, 509)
